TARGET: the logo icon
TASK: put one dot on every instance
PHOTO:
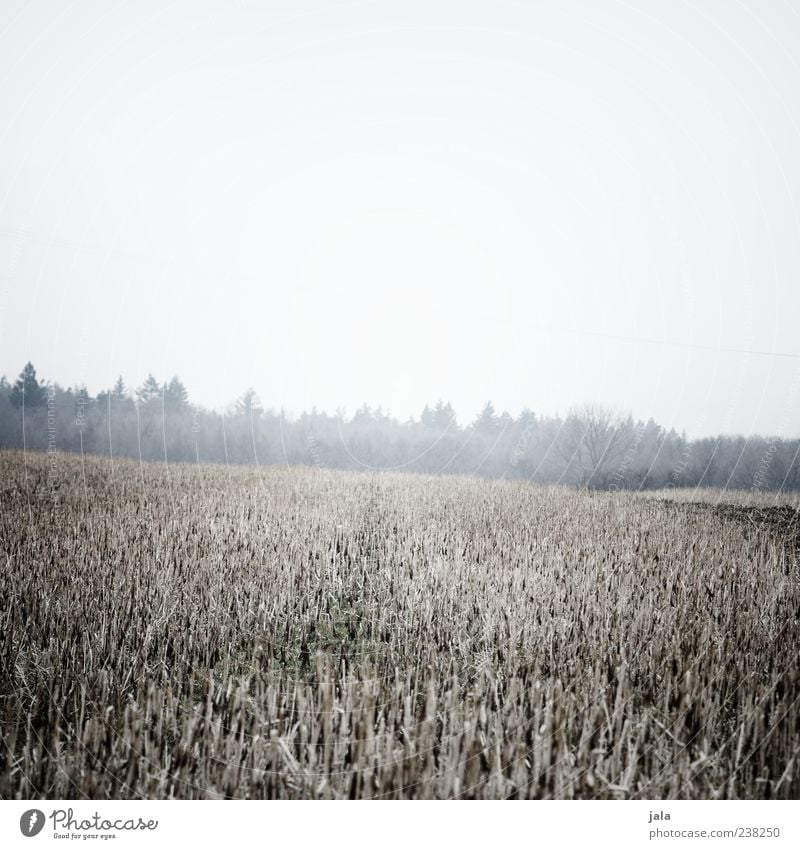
(31, 822)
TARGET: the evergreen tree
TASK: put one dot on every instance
(427, 419)
(444, 417)
(149, 391)
(248, 404)
(119, 392)
(116, 397)
(27, 391)
(487, 421)
(176, 398)
(505, 421)
(363, 415)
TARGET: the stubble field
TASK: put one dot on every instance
(203, 632)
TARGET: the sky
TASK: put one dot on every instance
(536, 203)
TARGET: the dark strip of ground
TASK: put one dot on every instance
(783, 521)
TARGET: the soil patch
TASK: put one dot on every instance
(783, 521)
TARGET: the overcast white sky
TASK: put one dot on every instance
(538, 203)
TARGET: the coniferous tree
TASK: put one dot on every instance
(427, 418)
(591, 447)
(27, 391)
(119, 392)
(444, 416)
(176, 398)
(248, 404)
(487, 421)
(149, 391)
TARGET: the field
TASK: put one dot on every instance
(203, 632)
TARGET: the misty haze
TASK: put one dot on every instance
(399, 400)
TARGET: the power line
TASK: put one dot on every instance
(723, 349)
(668, 342)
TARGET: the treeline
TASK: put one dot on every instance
(592, 446)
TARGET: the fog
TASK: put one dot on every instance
(541, 204)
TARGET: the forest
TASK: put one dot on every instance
(591, 446)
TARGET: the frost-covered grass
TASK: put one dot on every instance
(200, 632)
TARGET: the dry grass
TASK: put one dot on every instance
(202, 632)
(747, 497)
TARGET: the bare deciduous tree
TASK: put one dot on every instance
(593, 442)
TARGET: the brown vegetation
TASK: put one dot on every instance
(202, 632)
